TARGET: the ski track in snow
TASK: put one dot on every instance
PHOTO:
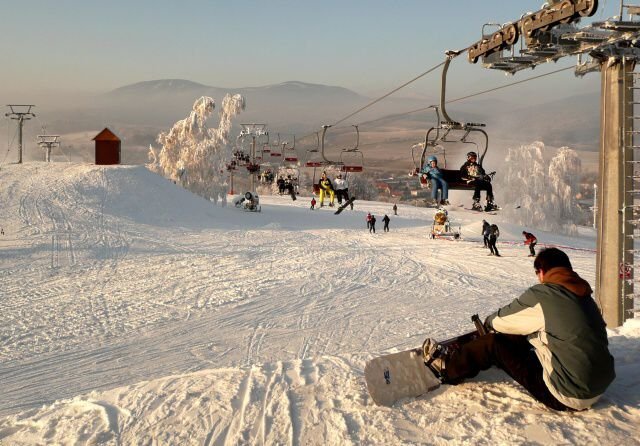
(132, 312)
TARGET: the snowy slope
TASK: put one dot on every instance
(133, 312)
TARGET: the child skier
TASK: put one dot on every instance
(530, 240)
(313, 203)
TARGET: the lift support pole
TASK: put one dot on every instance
(615, 232)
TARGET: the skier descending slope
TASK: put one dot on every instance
(552, 340)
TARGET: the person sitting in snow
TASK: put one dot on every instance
(326, 187)
(552, 340)
(474, 174)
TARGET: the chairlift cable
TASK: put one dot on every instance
(375, 101)
(508, 85)
(397, 115)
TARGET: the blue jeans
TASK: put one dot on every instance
(439, 183)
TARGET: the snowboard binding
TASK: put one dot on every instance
(434, 356)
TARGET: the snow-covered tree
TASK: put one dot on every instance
(195, 155)
(538, 194)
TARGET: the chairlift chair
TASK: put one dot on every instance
(447, 131)
(289, 152)
(352, 160)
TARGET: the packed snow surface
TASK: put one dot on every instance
(134, 312)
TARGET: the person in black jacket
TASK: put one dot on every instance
(474, 174)
(485, 233)
(386, 221)
(494, 233)
(372, 224)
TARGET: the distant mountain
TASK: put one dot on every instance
(164, 86)
(180, 87)
(288, 104)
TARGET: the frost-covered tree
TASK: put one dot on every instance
(195, 155)
(363, 187)
(540, 194)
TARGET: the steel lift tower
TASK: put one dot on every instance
(48, 142)
(255, 131)
(613, 48)
(20, 113)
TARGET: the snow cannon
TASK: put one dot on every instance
(440, 217)
(441, 227)
(249, 202)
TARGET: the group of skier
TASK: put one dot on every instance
(491, 232)
(371, 222)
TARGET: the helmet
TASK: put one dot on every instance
(470, 154)
(432, 158)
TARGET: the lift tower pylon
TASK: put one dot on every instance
(20, 113)
(48, 142)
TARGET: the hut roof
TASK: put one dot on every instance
(106, 135)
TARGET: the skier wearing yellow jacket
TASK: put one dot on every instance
(326, 187)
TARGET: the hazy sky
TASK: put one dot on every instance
(369, 46)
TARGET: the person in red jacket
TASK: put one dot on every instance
(530, 240)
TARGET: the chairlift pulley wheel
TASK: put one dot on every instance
(497, 40)
(567, 8)
(592, 6)
(510, 34)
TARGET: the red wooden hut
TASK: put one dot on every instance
(107, 147)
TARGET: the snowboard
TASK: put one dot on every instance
(400, 375)
(344, 205)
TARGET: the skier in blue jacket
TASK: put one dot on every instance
(433, 173)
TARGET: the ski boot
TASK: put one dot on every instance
(444, 202)
(476, 206)
(491, 206)
(434, 356)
